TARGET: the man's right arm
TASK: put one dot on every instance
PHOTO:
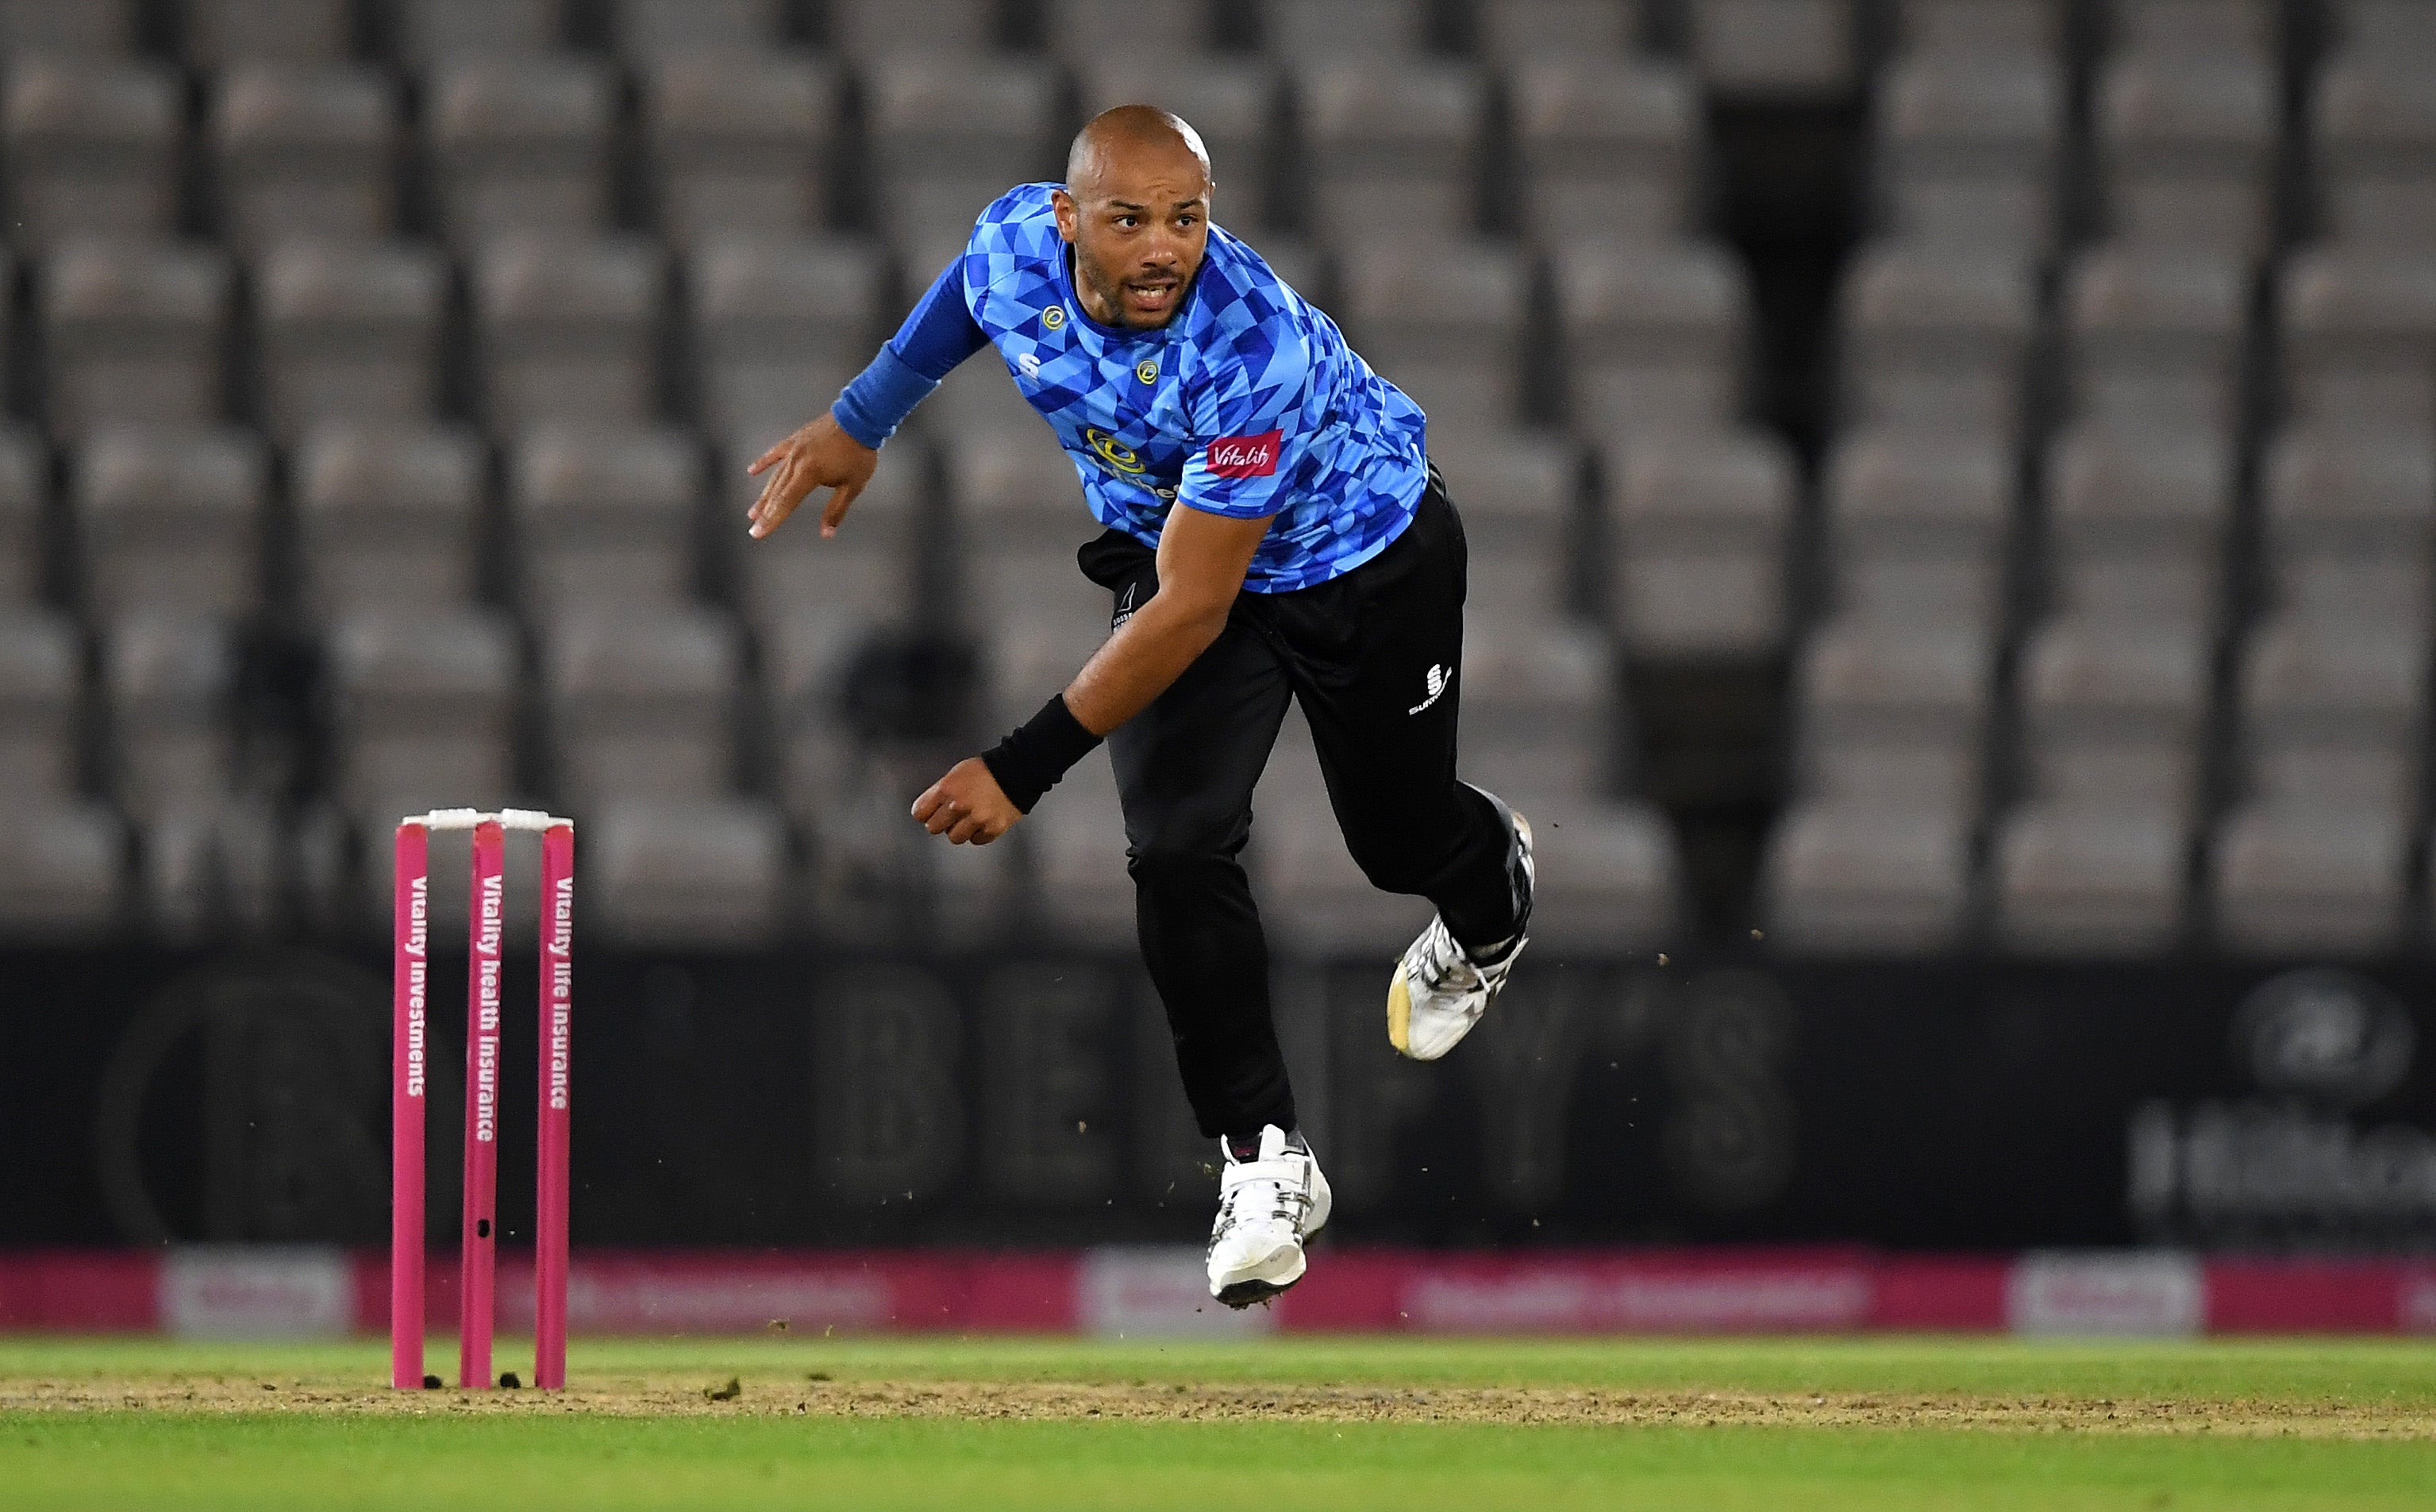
(841, 449)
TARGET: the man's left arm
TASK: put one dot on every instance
(1202, 560)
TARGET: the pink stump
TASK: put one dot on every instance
(480, 1242)
(555, 1094)
(409, 998)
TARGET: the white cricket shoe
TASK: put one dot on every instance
(1266, 1207)
(1438, 991)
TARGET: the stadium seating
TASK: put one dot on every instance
(305, 33)
(739, 146)
(305, 153)
(387, 517)
(91, 145)
(604, 518)
(2083, 556)
(348, 334)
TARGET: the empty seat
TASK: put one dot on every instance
(2089, 880)
(2359, 336)
(305, 154)
(350, 333)
(1698, 526)
(1937, 336)
(520, 144)
(643, 704)
(2404, 27)
(1231, 101)
(1862, 880)
(2137, 520)
(387, 519)
(218, 869)
(1968, 146)
(2156, 336)
(2187, 26)
(1447, 323)
(1079, 31)
(1623, 871)
(1915, 526)
(1518, 494)
(1894, 715)
(62, 874)
(860, 576)
(2333, 714)
(1783, 51)
(2186, 145)
(950, 135)
(568, 331)
(42, 676)
(740, 144)
(1020, 511)
(1077, 839)
(92, 149)
(1607, 149)
(660, 29)
(2015, 26)
(2113, 714)
(687, 876)
(981, 399)
(170, 520)
(2310, 881)
(422, 707)
(1515, 31)
(68, 27)
(169, 681)
(779, 327)
(1345, 28)
(1654, 336)
(1391, 151)
(605, 517)
(134, 334)
(1539, 707)
(438, 31)
(2372, 128)
(884, 28)
(820, 665)
(221, 32)
(1299, 266)
(24, 475)
(2350, 524)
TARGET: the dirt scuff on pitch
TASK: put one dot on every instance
(1151, 1401)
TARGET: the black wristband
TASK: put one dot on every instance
(1031, 759)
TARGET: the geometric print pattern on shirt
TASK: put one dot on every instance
(1248, 403)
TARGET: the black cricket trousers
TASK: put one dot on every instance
(1373, 657)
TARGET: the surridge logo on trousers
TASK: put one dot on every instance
(1434, 683)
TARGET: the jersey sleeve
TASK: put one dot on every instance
(1247, 442)
(941, 332)
(938, 335)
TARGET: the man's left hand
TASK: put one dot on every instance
(966, 806)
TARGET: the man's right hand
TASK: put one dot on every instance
(821, 455)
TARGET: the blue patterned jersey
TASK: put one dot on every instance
(1248, 403)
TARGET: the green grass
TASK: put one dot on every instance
(623, 1454)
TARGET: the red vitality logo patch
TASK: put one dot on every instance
(1245, 456)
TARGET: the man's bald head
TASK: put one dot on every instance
(1126, 135)
(1136, 210)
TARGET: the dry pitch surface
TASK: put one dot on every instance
(1349, 1423)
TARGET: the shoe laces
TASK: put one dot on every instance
(1288, 1185)
(1443, 961)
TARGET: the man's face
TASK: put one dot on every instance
(1139, 226)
